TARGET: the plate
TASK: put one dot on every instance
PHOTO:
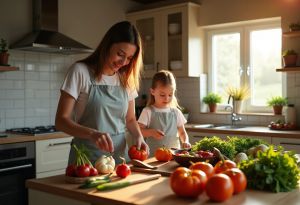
(185, 161)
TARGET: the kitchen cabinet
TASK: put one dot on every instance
(8, 68)
(181, 48)
(288, 143)
(52, 156)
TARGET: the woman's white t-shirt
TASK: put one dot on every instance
(145, 116)
(77, 83)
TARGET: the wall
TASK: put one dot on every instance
(29, 97)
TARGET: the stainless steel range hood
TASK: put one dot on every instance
(45, 36)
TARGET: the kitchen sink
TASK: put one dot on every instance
(219, 126)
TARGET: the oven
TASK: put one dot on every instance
(17, 164)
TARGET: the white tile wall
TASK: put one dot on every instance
(29, 96)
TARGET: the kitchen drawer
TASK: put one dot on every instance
(52, 154)
(287, 143)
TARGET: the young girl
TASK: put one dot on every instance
(161, 121)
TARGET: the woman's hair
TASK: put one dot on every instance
(163, 78)
(122, 32)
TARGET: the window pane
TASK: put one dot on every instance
(225, 62)
(265, 56)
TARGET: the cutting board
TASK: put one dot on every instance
(163, 168)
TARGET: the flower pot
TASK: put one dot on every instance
(277, 109)
(212, 107)
(238, 105)
(4, 58)
(290, 60)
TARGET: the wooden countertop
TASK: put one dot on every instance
(14, 138)
(251, 131)
(153, 192)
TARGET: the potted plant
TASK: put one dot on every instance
(294, 26)
(3, 52)
(289, 58)
(277, 102)
(237, 94)
(211, 100)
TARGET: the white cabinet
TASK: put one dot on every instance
(52, 156)
(161, 48)
(287, 143)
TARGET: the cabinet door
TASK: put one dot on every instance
(52, 154)
(287, 143)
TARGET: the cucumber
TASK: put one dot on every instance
(94, 183)
(113, 185)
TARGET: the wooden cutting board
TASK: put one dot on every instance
(163, 168)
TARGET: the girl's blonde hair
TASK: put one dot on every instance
(122, 32)
(164, 78)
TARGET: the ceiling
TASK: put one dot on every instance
(148, 1)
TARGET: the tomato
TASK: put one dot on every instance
(219, 187)
(135, 153)
(188, 183)
(93, 171)
(238, 179)
(71, 170)
(224, 165)
(207, 168)
(123, 170)
(163, 154)
(82, 171)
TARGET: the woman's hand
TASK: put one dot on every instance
(141, 144)
(186, 145)
(103, 141)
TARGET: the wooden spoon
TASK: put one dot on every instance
(139, 163)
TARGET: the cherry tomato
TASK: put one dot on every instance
(222, 166)
(71, 170)
(123, 170)
(207, 168)
(238, 179)
(93, 171)
(188, 183)
(163, 154)
(82, 171)
(219, 187)
(135, 153)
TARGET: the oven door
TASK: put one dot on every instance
(13, 176)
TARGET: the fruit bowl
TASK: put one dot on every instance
(282, 126)
(184, 158)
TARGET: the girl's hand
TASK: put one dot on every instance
(103, 141)
(157, 134)
(186, 145)
(141, 144)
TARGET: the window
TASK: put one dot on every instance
(246, 55)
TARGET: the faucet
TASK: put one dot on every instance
(234, 116)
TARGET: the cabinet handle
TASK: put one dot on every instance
(16, 167)
(289, 143)
(58, 143)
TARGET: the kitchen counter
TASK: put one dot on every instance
(57, 191)
(14, 138)
(247, 130)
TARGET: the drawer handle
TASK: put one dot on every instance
(16, 167)
(58, 143)
(288, 143)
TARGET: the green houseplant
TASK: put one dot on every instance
(3, 52)
(277, 102)
(289, 58)
(211, 100)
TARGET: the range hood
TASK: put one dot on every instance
(45, 36)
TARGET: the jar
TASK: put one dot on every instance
(290, 114)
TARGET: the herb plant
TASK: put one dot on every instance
(3, 45)
(275, 171)
(277, 100)
(212, 98)
(238, 93)
(288, 52)
(242, 144)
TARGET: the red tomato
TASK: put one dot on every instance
(123, 170)
(222, 166)
(71, 170)
(135, 153)
(238, 179)
(188, 183)
(219, 187)
(82, 171)
(93, 171)
(207, 168)
(163, 154)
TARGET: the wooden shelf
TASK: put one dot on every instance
(289, 69)
(8, 68)
(291, 34)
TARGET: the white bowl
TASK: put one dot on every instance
(174, 28)
(176, 65)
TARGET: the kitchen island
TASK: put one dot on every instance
(55, 190)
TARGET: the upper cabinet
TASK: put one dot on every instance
(171, 39)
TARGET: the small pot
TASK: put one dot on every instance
(4, 58)
(277, 109)
(290, 60)
(212, 107)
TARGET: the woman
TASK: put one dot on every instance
(97, 96)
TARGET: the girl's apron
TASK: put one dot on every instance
(105, 111)
(166, 122)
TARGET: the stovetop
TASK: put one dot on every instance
(33, 130)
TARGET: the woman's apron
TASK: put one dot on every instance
(105, 111)
(166, 122)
